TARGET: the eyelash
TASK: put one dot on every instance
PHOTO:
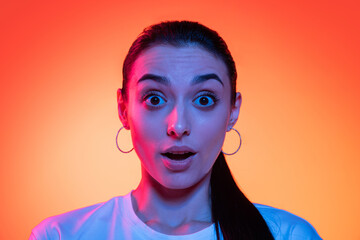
(151, 93)
(208, 94)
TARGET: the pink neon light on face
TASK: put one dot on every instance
(178, 112)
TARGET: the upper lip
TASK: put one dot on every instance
(179, 150)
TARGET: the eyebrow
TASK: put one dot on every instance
(156, 78)
(205, 77)
(197, 79)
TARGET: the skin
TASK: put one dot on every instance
(177, 112)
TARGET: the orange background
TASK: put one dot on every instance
(298, 64)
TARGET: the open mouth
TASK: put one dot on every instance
(178, 156)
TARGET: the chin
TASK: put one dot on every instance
(183, 181)
(177, 186)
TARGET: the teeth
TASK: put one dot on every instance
(178, 155)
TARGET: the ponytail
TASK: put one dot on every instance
(232, 212)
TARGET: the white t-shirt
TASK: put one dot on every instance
(116, 219)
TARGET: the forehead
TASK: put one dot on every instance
(174, 62)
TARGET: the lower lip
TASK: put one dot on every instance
(177, 165)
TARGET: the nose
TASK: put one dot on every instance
(178, 122)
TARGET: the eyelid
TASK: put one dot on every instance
(151, 93)
(207, 93)
(210, 94)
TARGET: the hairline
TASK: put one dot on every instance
(179, 44)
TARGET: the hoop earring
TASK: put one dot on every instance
(239, 145)
(116, 140)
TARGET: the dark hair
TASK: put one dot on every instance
(180, 34)
(232, 212)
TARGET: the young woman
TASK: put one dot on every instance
(178, 100)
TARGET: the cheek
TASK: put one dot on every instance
(145, 129)
(213, 124)
(211, 133)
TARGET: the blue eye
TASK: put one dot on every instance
(154, 100)
(205, 100)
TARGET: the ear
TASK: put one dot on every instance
(122, 109)
(235, 110)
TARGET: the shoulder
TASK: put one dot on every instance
(285, 225)
(66, 224)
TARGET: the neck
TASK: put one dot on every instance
(173, 211)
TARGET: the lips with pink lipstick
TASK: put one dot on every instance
(178, 158)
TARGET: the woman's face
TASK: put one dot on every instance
(178, 112)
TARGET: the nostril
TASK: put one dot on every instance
(178, 121)
(178, 131)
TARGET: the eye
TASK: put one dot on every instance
(154, 100)
(206, 100)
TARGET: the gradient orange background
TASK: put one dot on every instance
(298, 64)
